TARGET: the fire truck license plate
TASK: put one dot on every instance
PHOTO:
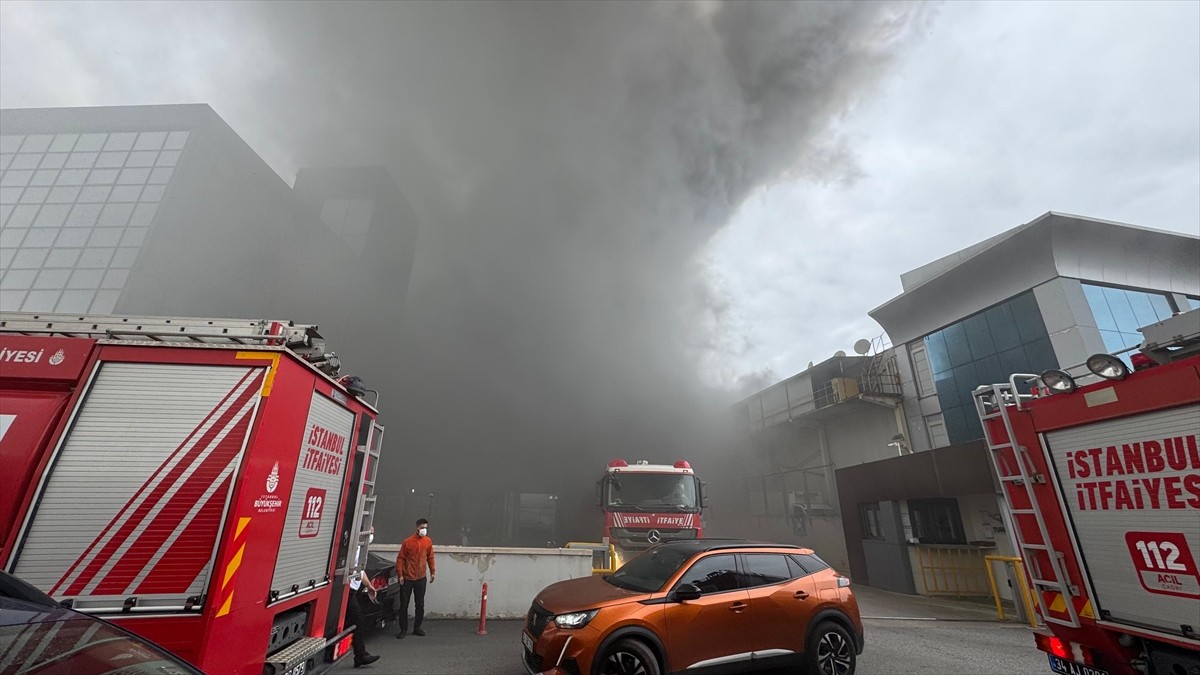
(1071, 668)
(298, 670)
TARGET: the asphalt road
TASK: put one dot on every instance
(894, 647)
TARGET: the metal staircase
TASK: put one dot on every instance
(1017, 474)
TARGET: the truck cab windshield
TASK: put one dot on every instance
(650, 492)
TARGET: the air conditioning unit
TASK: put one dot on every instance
(844, 388)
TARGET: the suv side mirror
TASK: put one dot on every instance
(686, 592)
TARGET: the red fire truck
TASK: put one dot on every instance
(1102, 483)
(203, 483)
(645, 504)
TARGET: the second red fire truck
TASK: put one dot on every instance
(1102, 483)
(645, 504)
(202, 483)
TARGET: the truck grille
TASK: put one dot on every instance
(537, 619)
(630, 539)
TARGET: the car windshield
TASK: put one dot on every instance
(651, 492)
(649, 571)
(71, 643)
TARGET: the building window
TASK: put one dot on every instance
(81, 203)
(868, 515)
(985, 348)
(1120, 313)
(936, 521)
(936, 426)
(922, 372)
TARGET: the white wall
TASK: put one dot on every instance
(513, 575)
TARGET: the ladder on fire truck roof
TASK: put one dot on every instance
(1016, 472)
(303, 339)
(187, 329)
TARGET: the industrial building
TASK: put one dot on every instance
(877, 459)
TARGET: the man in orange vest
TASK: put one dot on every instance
(416, 554)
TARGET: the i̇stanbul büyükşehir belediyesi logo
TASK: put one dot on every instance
(273, 478)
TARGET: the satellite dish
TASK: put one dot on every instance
(862, 347)
(840, 354)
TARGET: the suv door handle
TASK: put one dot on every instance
(737, 607)
(800, 595)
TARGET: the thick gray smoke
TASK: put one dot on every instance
(569, 162)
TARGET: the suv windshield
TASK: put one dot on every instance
(626, 491)
(649, 571)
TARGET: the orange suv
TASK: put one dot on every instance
(703, 605)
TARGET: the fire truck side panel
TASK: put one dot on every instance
(132, 504)
(38, 378)
(305, 548)
(274, 484)
(1131, 487)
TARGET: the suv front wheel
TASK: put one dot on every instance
(628, 657)
(830, 651)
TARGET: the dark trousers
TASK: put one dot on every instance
(411, 589)
(354, 615)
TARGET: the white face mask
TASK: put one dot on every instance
(423, 531)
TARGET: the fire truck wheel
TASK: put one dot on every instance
(627, 657)
(830, 651)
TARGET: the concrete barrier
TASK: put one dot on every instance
(513, 575)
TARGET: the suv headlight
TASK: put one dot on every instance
(574, 619)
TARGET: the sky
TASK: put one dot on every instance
(634, 213)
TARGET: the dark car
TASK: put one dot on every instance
(39, 637)
(384, 578)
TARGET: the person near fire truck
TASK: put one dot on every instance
(412, 562)
(360, 586)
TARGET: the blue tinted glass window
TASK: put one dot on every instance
(979, 337)
(956, 344)
(1122, 311)
(1115, 341)
(1143, 311)
(956, 424)
(1193, 303)
(1002, 327)
(1162, 308)
(947, 388)
(985, 349)
(988, 370)
(1040, 356)
(1012, 361)
(1104, 315)
(935, 349)
(966, 379)
(1027, 317)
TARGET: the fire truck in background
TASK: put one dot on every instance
(645, 504)
(202, 483)
(1102, 483)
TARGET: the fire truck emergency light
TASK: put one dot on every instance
(1058, 381)
(618, 463)
(1107, 366)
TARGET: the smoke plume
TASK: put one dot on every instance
(569, 161)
